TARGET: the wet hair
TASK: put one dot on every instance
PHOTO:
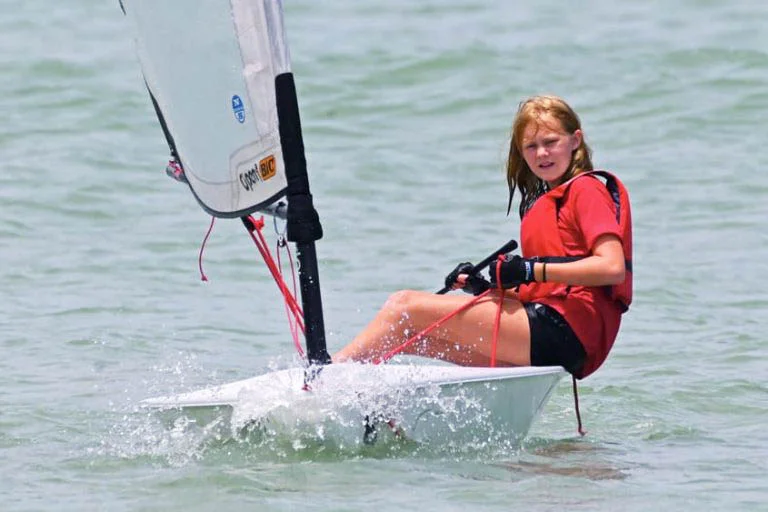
(519, 175)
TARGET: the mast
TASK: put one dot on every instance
(303, 222)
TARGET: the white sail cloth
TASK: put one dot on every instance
(211, 66)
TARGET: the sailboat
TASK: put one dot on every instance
(219, 77)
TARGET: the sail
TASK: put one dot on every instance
(210, 67)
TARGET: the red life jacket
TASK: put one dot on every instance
(546, 245)
(541, 238)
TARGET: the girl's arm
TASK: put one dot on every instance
(604, 267)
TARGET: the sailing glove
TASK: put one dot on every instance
(475, 284)
(514, 271)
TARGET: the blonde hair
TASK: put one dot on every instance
(519, 175)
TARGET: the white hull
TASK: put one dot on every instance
(427, 403)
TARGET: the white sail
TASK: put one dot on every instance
(210, 66)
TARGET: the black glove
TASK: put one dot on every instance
(475, 284)
(514, 271)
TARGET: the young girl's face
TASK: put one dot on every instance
(548, 149)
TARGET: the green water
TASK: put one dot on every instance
(406, 108)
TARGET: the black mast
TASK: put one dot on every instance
(303, 222)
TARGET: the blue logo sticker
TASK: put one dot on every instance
(238, 108)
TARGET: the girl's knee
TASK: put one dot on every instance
(403, 301)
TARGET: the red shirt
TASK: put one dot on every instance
(586, 212)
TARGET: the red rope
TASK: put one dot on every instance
(203, 277)
(418, 336)
(413, 339)
(290, 301)
(291, 305)
(497, 321)
(261, 244)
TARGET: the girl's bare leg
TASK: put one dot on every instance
(464, 339)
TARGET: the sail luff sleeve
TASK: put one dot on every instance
(303, 223)
(303, 220)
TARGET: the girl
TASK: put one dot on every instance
(562, 301)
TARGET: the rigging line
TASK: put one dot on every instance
(281, 242)
(497, 320)
(261, 245)
(289, 299)
(203, 277)
(292, 323)
(581, 430)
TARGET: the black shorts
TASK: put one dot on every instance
(553, 342)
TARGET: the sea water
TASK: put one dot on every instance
(406, 109)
